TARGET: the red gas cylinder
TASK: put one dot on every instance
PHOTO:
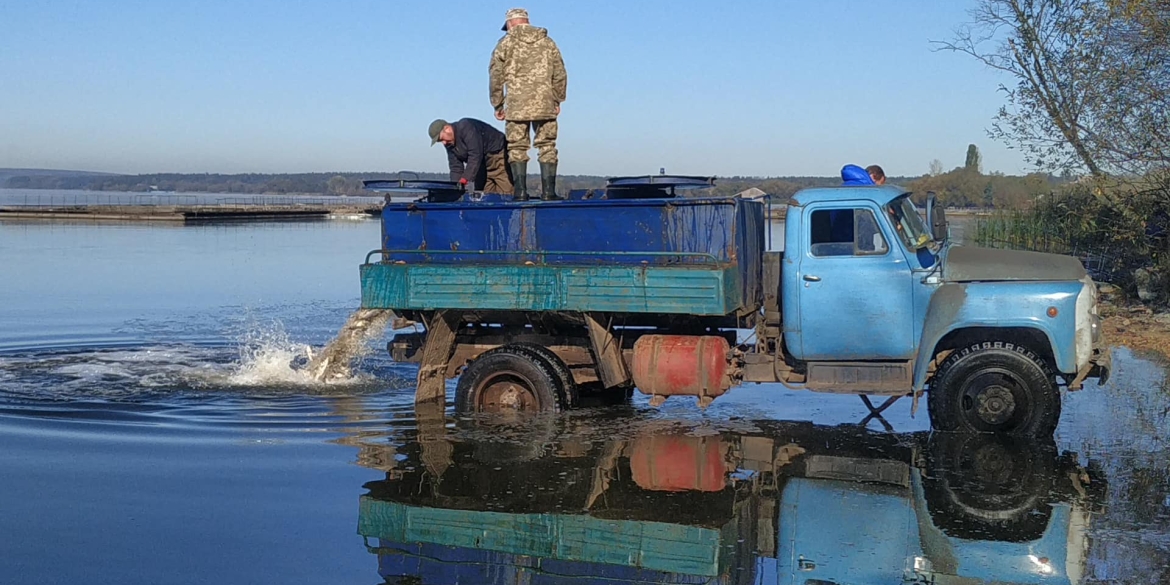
(686, 365)
(675, 463)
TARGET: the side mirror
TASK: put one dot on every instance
(936, 218)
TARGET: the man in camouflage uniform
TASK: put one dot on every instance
(527, 86)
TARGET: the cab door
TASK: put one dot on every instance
(855, 287)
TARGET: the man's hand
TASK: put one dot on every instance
(463, 181)
(558, 110)
(500, 114)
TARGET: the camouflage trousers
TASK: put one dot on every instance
(544, 136)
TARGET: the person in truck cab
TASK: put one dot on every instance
(476, 154)
(876, 174)
(855, 176)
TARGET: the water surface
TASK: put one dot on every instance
(154, 431)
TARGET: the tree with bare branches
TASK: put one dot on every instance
(1091, 80)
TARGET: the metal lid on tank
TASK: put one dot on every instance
(432, 191)
(654, 186)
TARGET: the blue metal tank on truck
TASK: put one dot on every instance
(536, 305)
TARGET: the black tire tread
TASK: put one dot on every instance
(1043, 424)
(570, 394)
(492, 359)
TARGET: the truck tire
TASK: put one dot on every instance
(570, 395)
(509, 379)
(994, 387)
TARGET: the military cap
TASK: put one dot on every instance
(436, 127)
(513, 13)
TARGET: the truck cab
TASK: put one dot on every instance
(539, 305)
(871, 297)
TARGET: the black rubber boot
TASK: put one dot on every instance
(548, 181)
(519, 181)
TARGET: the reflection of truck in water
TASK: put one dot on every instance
(792, 503)
(535, 305)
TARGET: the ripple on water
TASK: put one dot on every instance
(256, 385)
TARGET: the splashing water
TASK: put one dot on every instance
(268, 356)
(333, 363)
(263, 358)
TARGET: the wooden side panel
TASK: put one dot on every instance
(648, 289)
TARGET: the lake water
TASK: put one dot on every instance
(153, 431)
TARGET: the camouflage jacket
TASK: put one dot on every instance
(528, 78)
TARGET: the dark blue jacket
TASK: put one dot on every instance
(474, 139)
(855, 176)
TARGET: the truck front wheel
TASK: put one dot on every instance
(994, 387)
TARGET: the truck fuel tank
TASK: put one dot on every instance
(682, 365)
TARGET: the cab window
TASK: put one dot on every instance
(846, 232)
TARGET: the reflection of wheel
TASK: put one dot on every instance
(994, 387)
(509, 379)
(990, 487)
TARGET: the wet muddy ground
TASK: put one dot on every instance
(156, 429)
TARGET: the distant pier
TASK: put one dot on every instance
(187, 213)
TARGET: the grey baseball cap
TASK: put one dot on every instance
(436, 127)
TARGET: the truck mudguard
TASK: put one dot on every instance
(1002, 305)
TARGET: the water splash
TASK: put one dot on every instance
(263, 358)
(334, 361)
(267, 356)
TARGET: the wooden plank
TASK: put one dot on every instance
(611, 368)
(771, 283)
(618, 289)
(436, 352)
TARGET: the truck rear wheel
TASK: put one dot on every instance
(511, 378)
(994, 387)
(569, 393)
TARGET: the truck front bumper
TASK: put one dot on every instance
(1098, 367)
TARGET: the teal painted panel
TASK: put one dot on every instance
(647, 289)
(650, 545)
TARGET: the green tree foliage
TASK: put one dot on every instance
(1091, 95)
(967, 186)
(1091, 80)
(974, 162)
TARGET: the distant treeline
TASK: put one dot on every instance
(347, 183)
(960, 187)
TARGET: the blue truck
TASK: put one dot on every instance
(785, 502)
(545, 305)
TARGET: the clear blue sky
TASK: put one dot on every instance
(732, 88)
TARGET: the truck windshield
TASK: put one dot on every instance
(908, 223)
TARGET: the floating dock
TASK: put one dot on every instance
(186, 213)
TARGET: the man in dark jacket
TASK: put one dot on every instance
(476, 153)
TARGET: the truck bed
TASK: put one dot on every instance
(699, 256)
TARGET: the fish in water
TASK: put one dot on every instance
(334, 361)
